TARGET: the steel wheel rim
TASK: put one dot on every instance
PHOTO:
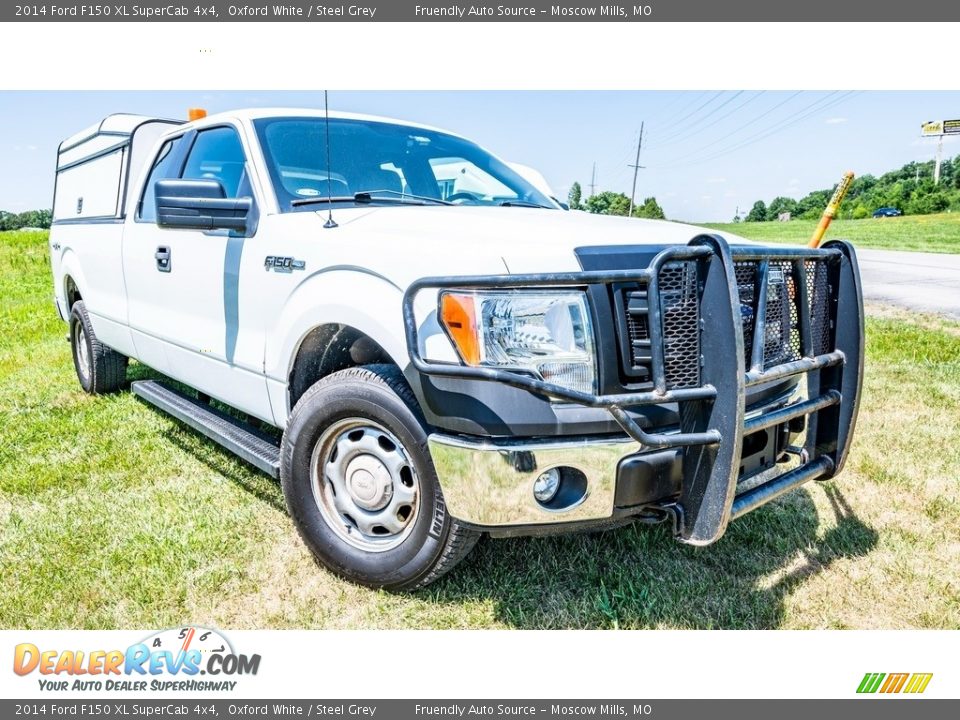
(365, 485)
(83, 357)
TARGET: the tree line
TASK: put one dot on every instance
(608, 202)
(28, 219)
(910, 190)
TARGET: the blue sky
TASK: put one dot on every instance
(705, 152)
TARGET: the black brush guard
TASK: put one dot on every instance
(712, 415)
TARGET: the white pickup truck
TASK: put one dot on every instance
(446, 350)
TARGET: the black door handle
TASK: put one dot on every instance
(162, 256)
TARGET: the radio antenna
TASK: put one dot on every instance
(326, 122)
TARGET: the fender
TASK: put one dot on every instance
(70, 267)
(367, 302)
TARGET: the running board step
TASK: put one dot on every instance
(242, 440)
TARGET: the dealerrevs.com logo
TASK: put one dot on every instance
(179, 659)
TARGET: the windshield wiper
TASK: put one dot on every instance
(524, 203)
(321, 199)
(367, 197)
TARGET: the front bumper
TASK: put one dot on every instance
(487, 484)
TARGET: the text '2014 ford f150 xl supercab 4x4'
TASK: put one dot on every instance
(446, 350)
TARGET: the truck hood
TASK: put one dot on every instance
(466, 240)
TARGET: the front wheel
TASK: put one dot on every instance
(361, 487)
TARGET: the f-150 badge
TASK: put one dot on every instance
(282, 264)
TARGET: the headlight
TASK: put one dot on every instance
(546, 333)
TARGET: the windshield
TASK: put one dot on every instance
(386, 162)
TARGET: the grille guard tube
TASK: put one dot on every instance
(712, 422)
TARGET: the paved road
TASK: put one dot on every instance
(917, 281)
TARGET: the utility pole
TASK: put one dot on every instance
(593, 180)
(636, 167)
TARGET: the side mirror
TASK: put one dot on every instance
(199, 205)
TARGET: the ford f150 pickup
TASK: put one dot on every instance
(445, 349)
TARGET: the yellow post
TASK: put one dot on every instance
(832, 208)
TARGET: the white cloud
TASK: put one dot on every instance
(836, 120)
(730, 194)
(706, 197)
(31, 147)
(716, 180)
(793, 181)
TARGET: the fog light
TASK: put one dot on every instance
(545, 487)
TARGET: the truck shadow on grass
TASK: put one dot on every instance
(639, 577)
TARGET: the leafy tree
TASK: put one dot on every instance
(758, 213)
(909, 188)
(608, 203)
(649, 209)
(811, 207)
(30, 218)
(575, 196)
(781, 205)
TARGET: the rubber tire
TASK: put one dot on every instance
(437, 541)
(106, 368)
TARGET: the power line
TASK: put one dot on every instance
(684, 130)
(733, 110)
(803, 114)
(743, 127)
(698, 109)
(683, 97)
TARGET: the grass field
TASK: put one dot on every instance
(114, 516)
(923, 233)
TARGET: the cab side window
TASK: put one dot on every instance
(163, 169)
(217, 154)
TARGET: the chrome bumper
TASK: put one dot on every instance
(490, 484)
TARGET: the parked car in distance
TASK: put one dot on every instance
(442, 351)
(887, 212)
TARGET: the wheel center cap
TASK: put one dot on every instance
(369, 483)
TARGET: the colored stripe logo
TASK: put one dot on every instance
(913, 683)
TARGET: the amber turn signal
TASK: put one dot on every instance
(459, 316)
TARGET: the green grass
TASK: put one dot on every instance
(921, 233)
(114, 516)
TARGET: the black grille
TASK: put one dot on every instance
(680, 314)
(781, 340)
(638, 334)
(680, 308)
(818, 296)
(746, 276)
